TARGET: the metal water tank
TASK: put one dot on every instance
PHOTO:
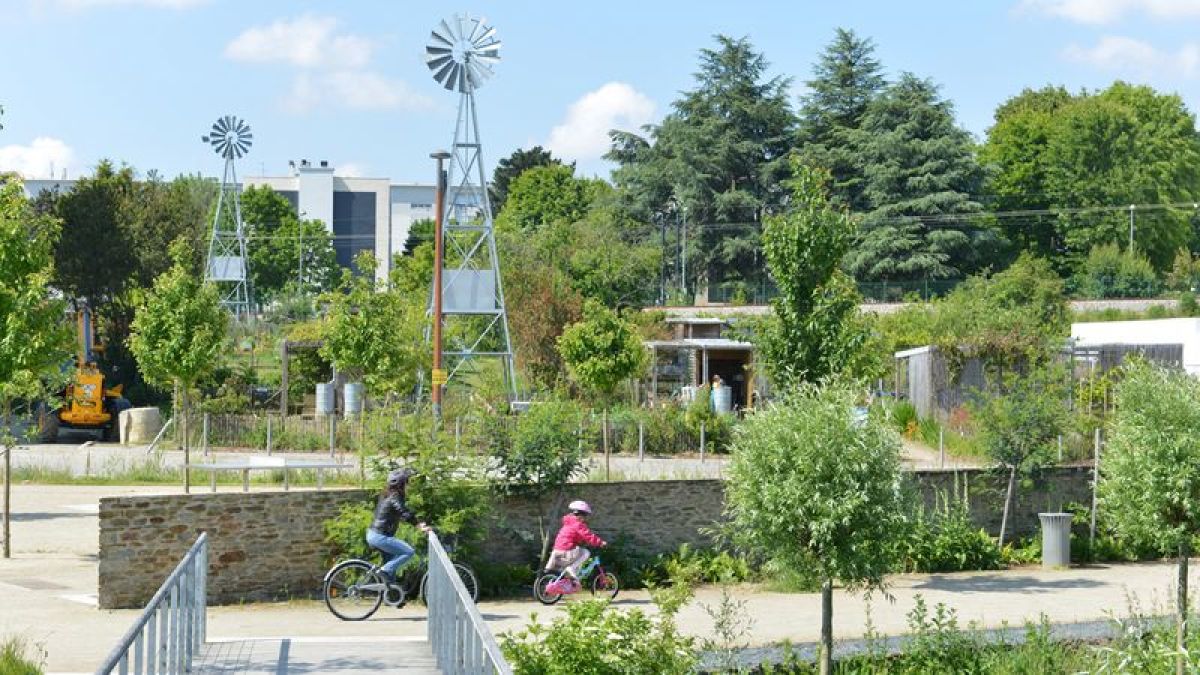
(722, 400)
(353, 398)
(325, 403)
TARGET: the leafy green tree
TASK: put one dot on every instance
(92, 259)
(602, 350)
(718, 157)
(284, 250)
(374, 332)
(34, 338)
(536, 455)
(420, 232)
(1016, 150)
(1150, 470)
(1127, 144)
(815, 489)
(815, 330)
(178, 334)
(508, 168)
(846, 79)
(1019, 421)
(545, 196)
(921, 182)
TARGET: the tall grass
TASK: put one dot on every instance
(19, 657)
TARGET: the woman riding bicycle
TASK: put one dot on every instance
(389, 511)
(568, 547)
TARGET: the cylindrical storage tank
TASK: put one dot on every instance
(325, 401)
(722, 399)
(139, 425)
(1056, 539)
(354, 398)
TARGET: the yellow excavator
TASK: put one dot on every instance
(87, 404)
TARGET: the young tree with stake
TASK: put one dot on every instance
(1150, 477)
(813, 488)
(177, 335)
(34, 337)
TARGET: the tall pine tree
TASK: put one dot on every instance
(718, 158)
(921, 182)
(846, 78)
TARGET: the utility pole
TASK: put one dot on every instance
(439, 375)
(662, 268)
(1131, 208)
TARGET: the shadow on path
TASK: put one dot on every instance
(1003, 583)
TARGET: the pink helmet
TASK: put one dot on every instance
(580, 506)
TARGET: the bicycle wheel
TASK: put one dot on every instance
(353, 590)
(539, 589)
(606, 584)
(466, 574)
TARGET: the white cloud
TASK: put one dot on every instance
(333, 68)
(306, 42)
(350, 170)
(1107, 11)
(583, 135)
(357, 90)
(38, 158)
(1126, 55)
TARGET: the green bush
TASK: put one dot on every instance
(1109, 272)
(18, 657)
(597, 639)
(902, 413)
(945, 540)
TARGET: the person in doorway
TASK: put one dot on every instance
(569, 552)
(389, 511)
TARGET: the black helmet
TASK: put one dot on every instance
(399, 478)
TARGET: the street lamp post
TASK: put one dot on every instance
(439, 375)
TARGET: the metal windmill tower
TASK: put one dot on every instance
(228, 266)
(460, 54)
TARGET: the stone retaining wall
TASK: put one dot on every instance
(271, 544)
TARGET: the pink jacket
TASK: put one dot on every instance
(574, 533)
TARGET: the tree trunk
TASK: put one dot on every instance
(545, 521)
(1008, 497)
(7, 488)
(1182, 609)
(187, 442)
(826, 655)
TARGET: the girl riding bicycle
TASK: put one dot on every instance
(389, 511)
(568, 551)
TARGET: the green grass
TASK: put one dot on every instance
(18, 657)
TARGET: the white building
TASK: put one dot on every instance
(1184, 332)
(360, 213)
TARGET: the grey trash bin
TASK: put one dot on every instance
(1056, 539)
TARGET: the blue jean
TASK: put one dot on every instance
(392, 546)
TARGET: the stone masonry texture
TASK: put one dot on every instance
(271, 544)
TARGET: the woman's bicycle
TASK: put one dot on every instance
(593, 575)
(354, 589)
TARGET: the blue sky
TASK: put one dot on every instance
(140, 80)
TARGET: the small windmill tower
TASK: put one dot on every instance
(228, 266)
(461, 53)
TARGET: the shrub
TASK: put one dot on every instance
(595, 638)
(945, 540)
(902, 414)
(348, 530)
(18, 657)
(1109, 272)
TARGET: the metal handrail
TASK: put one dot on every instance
(171, 630)
(461, 640)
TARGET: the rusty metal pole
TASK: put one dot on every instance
(438, 376)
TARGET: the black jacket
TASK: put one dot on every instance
(389, 511)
